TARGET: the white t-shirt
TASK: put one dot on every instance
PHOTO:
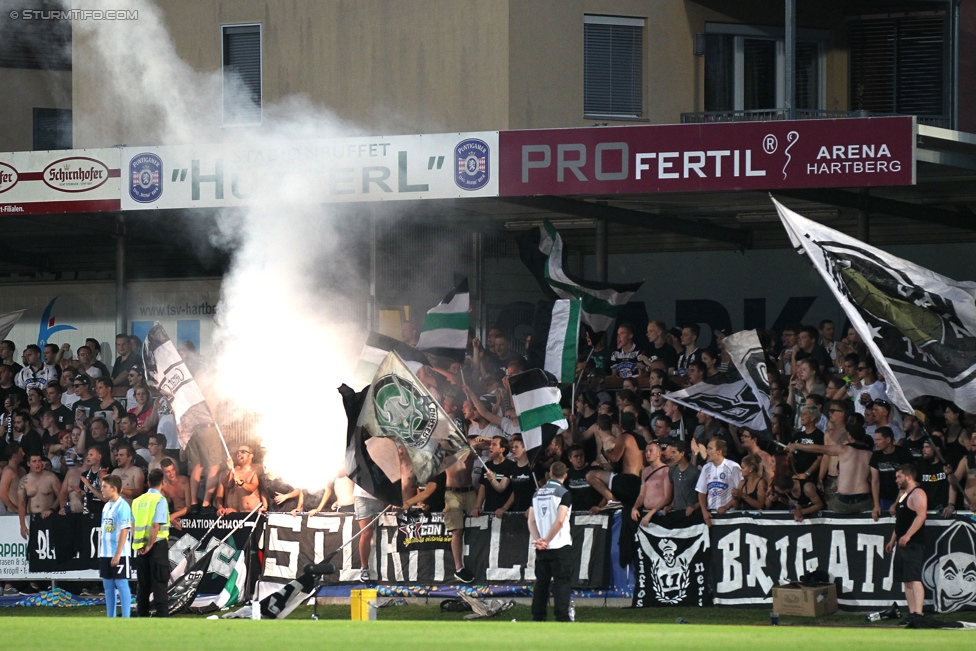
(717, 482)
(877, 391)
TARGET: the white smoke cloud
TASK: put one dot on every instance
(286, 334)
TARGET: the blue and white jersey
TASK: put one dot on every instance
(116, 516)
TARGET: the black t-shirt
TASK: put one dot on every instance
(87, 407)
(686, 359)
(93, 503)
(13, 388)
(803, 460)
(665, 353)
(493, 499)
(101, 367)
(64, 417)
(125, 365)
(435, 501)
(933, 480)
(887, 466)
(16, 368)
(32, 443)
(523, 485)
(914, 447)
(585, 496)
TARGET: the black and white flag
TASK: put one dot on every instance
(375, 350)
(919, 326)
(167, 372)
(727, 397)
(748, 357)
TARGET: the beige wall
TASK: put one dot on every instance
(428, 66)
(23, 91)
(433, 66)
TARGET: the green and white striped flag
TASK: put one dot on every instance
(555, 338)
(536, 404)
(445, 331)
(234, 589)
(541, 251)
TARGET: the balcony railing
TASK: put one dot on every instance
(765, 115)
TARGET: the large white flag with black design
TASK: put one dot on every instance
(919, 326)
(727, 397)
(748, 357)
(167, 372)
(399, 406)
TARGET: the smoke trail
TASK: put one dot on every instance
(286, 335)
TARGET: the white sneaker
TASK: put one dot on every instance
(364, 575)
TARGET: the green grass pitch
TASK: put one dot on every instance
(424, 627)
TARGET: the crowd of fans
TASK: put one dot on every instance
(835, 442)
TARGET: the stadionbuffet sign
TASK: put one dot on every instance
(758, 156)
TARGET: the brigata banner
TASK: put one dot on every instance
(774, 155)
(369, 168)
(76, 180)
(750, 555)
(415, 549)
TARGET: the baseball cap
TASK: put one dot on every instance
(665, 441)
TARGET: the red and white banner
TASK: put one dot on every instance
(856, 152)
(76, 180)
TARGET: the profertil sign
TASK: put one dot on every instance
(775, 155)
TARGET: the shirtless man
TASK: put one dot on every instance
(176, 489)
(622, 484)
(853, 474)
(656, 491)
(238, 492)
(834, 434)
(750, 445)
(40, 492)
(966, 476)
(132, 476)
(72, 493)
(461, 497)
(10, 478)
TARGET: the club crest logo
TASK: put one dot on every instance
(473, 162)
(145, 178)
(403, 412)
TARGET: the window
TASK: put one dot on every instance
(745, 69)
(52, 129)
(613, 71)
(898, 65)
(242, 74)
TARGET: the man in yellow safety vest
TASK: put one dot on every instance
(150, 515)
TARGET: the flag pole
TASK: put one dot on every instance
(343, 545)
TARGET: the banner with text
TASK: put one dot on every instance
(76, 180)
(855, 152)
(751, 555)
(416, 549)
(380, 168)
(66, 546)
